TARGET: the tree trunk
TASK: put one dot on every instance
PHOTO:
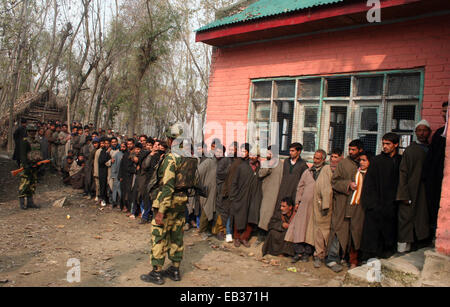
(99, 99)
(21, 42)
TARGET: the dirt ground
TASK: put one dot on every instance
(113, 250)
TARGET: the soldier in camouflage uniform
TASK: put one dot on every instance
(169, 208)
(30, 152)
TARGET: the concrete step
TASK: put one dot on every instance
(397, 271)
(436, 270)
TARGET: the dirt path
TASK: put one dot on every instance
(113, 250)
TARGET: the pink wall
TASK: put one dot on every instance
(419, 43)
(443, 230)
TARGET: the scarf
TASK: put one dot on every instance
(359, 183)
(315, 170)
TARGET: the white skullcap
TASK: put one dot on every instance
(423, 122)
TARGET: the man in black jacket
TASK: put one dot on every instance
(126, 172)
(103, 169)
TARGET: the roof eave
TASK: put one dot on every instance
(217, 36)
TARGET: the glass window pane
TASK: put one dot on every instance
(285, 89)
(369, 119)
(405, 84)
(284, 143)
(403, 118)
(262, 89)
(310, 117)
(338, 119)
(285, 107)
(262, 111)
(370, 86)
(309, 87)
(309, 141)
(369, 141)
(339, 87)
(263, 134)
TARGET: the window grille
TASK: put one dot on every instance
(338, 87)
(285, 117)
(337, 131)
(404, 84)
(370, 86)
(309, 87)
(262, 89)
(285, 89)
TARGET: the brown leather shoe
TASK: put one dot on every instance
(237, 243)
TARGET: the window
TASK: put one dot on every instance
(337, 130)
(404, 84)
(368, 128)
(403, 123)
(262, 121)
(370, 86)
(329, 111)
(285, 89)
(338, 87)
(284, 115)
(309, 88)
(310, 128)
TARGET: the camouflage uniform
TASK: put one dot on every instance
(169, 236)
(31, 153)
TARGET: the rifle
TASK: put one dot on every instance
(18, 171)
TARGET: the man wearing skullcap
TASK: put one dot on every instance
(413, 215)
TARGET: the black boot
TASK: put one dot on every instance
(30, 203)
(22, 203)
(173, 273)
(154, 277)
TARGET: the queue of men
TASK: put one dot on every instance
(109, 168)
(342, 212)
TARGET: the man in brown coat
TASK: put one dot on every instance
(270, 173)
(320, 221)
(413, 217)
(297, 232)
(345, 218)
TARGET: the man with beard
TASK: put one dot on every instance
(149, 166)
(116, 159)
(297, 232)
(378, 198)
(293, 169)
(413, 218)
(275, 243)
(320, 221)
(270, 173)
(142, 178)
(207, 176)
(51, 142)
(76, 172)
(63, 138)
(115, 149)
(103, 159)
(344, 216)
(226, 170)
(90, 185)
(19, 134)
(245, 196)
(126, 173)
(434, 171)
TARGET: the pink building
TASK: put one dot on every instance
(327, 75)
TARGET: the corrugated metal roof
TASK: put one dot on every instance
(266, 8)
